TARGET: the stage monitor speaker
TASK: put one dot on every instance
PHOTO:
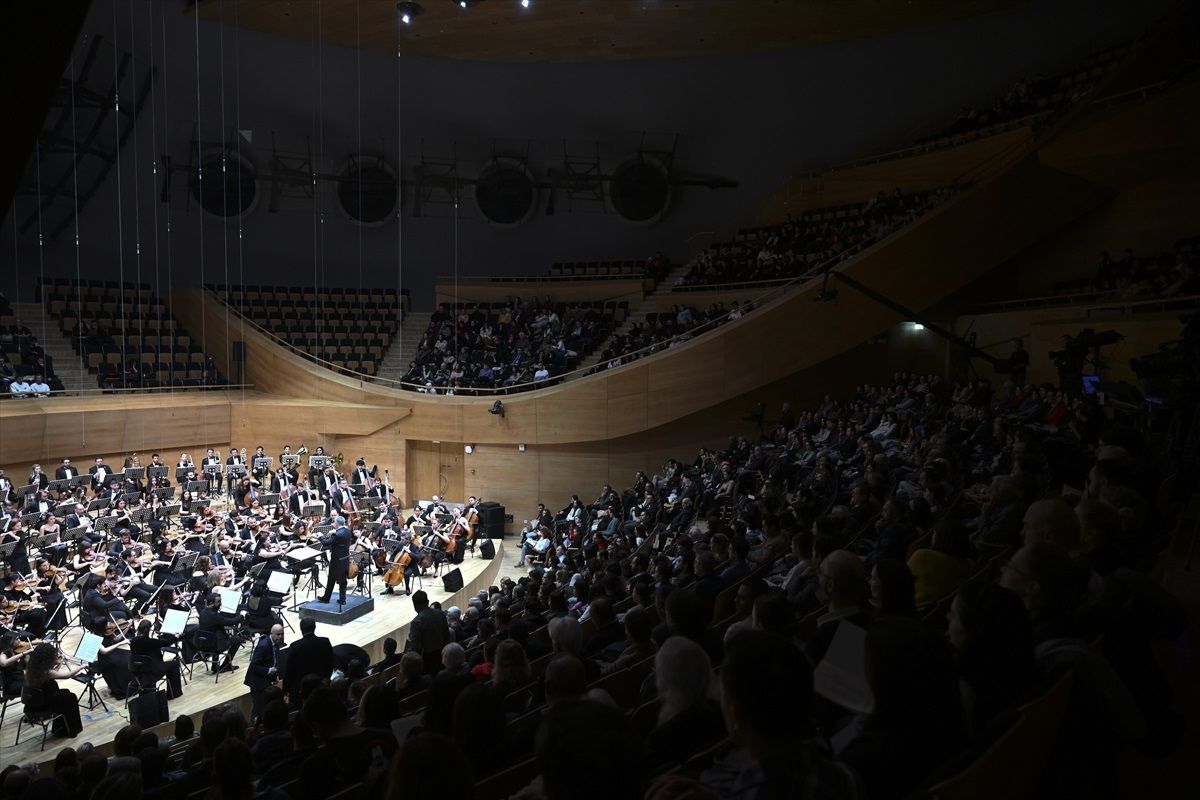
(487, 549)
(452, 581)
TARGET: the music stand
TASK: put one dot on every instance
(21, 491)
(269, 499)
(6, 550)
(153, 472)
(363, 560)
(60, 485)
(134, 473)
(263, 463)
(105, 523)
(140, 515)
(131, 497)
(289, 461)
(168, 511)
(75, 534)
(313, 510)
(372, 502)
(235, 471)
(29, 520)
(97, 504)
(89, 642)
(79, 480)
(197, 486)
(181, 472)
(359, 489)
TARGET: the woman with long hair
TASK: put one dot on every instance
(41, 693)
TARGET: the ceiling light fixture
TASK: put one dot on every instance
(524, 3)
(408, 11)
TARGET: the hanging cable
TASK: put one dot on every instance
(224, 184)
(358, 150)
(78, 275)
(137, 223)
(156, 295)
(37, 152)
(400, 370)
(318, 301)
(170, 305)
(200, 191)
(237, 88)
(120, 204)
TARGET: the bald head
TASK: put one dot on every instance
(1053, 522)
(842, 577)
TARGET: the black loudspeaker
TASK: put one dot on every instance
(149, 709)
(239, 352)
(487, 549)
(491, 520)
(452, 580)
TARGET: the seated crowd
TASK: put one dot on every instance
(814, 239)
(666, 640)
(26, 370)
(664, 330)
(508, 344)
(1174, 273)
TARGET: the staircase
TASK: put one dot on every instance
(638, 312)
(74, 376)
(403, 348)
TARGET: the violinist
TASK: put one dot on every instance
(112, 660)
(50, 584)
(21, 602)
(87, 559)
(13, 652)
(125, 542)
(266, 549)
(19, 558)
(43, 667)
(99, 603)
(132, 585)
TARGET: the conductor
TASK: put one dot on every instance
(338, 543)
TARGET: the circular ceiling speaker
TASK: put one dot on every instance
(640, 190)
(368, 192)
(505, 192)
(227, 192)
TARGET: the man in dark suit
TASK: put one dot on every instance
(428, 633)
(264, 668)
(215, 622)
(300, 498)
(842, 579)
(99, 472)
(338, 543)
(312, 655)
(342, 499)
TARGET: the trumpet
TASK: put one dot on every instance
(303, 451)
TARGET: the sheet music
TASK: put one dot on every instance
(230, 600)
(89, 648)
(303, 554)
(279, 582)
(841, 677)
(174, 621)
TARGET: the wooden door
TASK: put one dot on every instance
(435, 468)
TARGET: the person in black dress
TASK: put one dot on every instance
(113, 662)
(12, 666)
(147, 650)
(41, 693)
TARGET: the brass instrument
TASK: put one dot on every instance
(303, 451)
(338, 459)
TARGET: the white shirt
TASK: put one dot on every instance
(40, 389)
(541, 374)
(19, 389)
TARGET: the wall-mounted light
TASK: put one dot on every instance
(468, 449)
(916, 326)
(521, 448)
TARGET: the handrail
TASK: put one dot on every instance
(1101, 299)
(629, 276)
(131, 390)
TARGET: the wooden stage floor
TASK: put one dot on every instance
(390, 617)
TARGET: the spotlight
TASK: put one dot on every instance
(467, 3)
(524, 3)
(916, 326)
(408, 11)
(468, 449)
(497, 408)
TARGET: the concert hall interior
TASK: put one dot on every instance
(599, 399)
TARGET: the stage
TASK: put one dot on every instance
(390, 617)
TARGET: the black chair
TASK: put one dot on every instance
(208, 645)
(141, 679)
(36, 713)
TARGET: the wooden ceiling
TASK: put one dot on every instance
(590, 30)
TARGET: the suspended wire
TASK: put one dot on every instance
(200, 192)
(237, 88)
(78, 275)
(170, 305)
(37, 152)
(157, 295)
(224, 185)
(400, 370)
(120, 204)
(137, 214)
(358, 150)
(318, 299)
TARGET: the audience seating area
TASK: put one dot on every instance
(1172, 273)
(350, 328)
(23, 361)
(488, 346)
(662, 330)
(126, 334)
(816, 238)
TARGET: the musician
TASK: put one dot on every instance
(338, 544)
(327, 483)
(99, 603)
(185, 461)
(6, 488)
(408, 556)
(287, 451)
(235, 459)
(214, 620)
(266, 550)
(113, 493)
(125, 542)
(211, 460)
(342, 499)
(149, 650)
(49, 583)
(361, 474)
(66, 471)
(245, 494)
(260, 472)
(112, 661)
(38, 478)
(41, 693)
(301, 498)
(82, 519)
(281, 481)
(55, 550)
(38, 502)
(133, 583)
(99, 472)
(19, 558)
(12, 664)
(314, 474)
(263, 670)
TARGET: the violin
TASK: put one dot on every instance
(16, 606)
(22, 646)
